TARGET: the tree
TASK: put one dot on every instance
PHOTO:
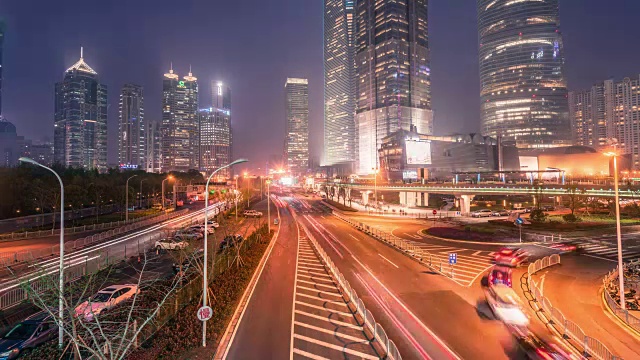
(575, 197)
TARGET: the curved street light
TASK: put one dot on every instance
(126, 204)
(206, 231)
(614, 154)
(61, 266)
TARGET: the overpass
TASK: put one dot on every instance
(417, 194)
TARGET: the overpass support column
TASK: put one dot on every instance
(410, 198)
(365, 197)
(422, 199)
(464, 202)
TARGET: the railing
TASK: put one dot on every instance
(624, 315)
(369, 321)
(591, 347)
(72, 230)
(9, 258)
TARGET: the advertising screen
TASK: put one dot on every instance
(418, 152)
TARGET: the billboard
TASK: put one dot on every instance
(418, 152)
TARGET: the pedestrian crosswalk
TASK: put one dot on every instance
(609, 251)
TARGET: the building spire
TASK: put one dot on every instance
(81, 52)
(190, 77)
(171, 67)
(170, 74)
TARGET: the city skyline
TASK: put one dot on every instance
(452, 33)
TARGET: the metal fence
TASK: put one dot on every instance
(9, 258)
(609, 282)
(369, 321)
(591, 347)
(73, 230)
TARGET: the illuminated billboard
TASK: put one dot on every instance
(418, 152)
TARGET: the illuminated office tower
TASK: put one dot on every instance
(523, 90)
(296, 147)
(215, 132)
(1, 47)
(80, 128)
(179, 128)
(339, 82)
(132, 127)
(393, 74)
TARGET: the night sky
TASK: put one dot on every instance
(254, 46)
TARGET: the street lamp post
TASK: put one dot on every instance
(61, 264)
(618, 234)
(140, 203)
(126, 204)
(206, 231)
(268, 205)
(248, 190)
(375, 185)
(167, 179)
(236, 197)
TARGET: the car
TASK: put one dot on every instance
(499, 275)
(187, 235)
(33, 331)
(482, 213)
(566, 247)
(252, 213)
(157, 206)
(519, 209)
(170, 244)
(511, 257)
(200, 229)
(534, 348)
(213, 224)
(528, 209)
(549, 208)
(105, 299)
(506, 305)
(500, 213)
(230, 241)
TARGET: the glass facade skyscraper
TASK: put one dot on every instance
(179, 126)
(393, 74)
(523, 90)
(296, 147)
(215, 136)
(132, 127)
(1, 48)
(339, 82)
(80, 128)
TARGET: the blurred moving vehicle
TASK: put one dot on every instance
(105, 299)
(506, 305)
(511, 257)
(170, 244)
(482, 213)
(33, 331)
(566, 247)
(499, 275)
(534, 348)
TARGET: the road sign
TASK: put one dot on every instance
(205, 313)
(453, 258)
(435, 211)
(519, 221)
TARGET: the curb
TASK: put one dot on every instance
(420, 232)
(617, 319)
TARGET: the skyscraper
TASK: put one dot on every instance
(132, 127)
(215, 132)
(587, 114)
(1, 47)
(296, 147)
(80, 129)
(523, 90)
(179, 122)
(393, 74)
(339, 82)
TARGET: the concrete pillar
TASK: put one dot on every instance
(365, 197)
(422, 199)
(465, 203)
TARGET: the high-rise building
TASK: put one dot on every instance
(132, 127)
(393, 74)
(215, 134)
(296, 147)
(609, 110)
(1, 47)
(523, 90)
(339, 82)
(179, 122)
(80, 129)
(153, 140)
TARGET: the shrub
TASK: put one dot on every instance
(570, 218)
(538, 216)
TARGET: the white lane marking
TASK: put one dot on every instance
(355, 238)
(604, 252)
(479, 273)
(313, 283)
(390, 262)
(413, 236)
(311, 270)
(336, 302)
(477, 253)
(295, 280)
(343, 349)
(600, 257)
(493, 253)
(320, 291)
(335, 333)
(307, 264)
(331, 321)
(308, 354)
(334, 311)
(542, 282)
(317, 277)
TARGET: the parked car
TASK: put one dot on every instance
(157, 206)
(549, 208)
(188, 235)
(482, 213)
(500, 213)
(213, 224)
(506, 305)
(200, 229)
(105, 299)
(170, 244)
(518, 209)
(33, 331)
(511, 257)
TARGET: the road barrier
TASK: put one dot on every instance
(625, 316)
(369, 321)
(73, 230)
(569, 330)
(8, 258)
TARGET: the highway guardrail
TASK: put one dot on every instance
(369, 321)
(591, 347)
(10, 258)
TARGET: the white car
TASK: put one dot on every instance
(506, 305)
(213, 224)
(168, 244)
(252, 213)
(105, 299)
(200, 229)
(482, 213)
